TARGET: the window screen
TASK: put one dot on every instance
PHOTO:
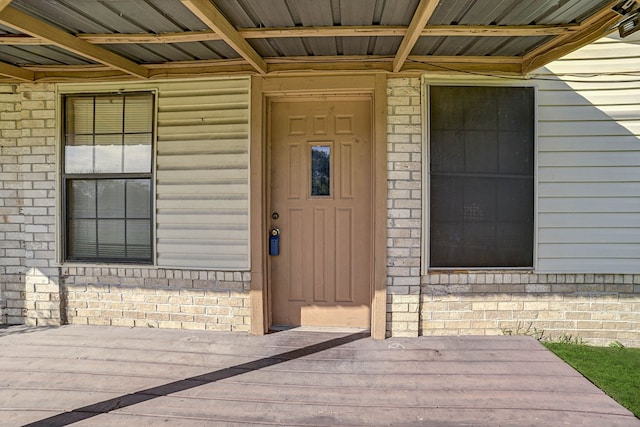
(481, 148)
(107, 177)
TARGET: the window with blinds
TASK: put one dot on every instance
(107, 177)
(481, 152)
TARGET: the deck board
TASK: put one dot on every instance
(113, 376)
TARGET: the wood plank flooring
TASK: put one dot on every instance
(109, 376)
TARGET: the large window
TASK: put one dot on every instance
(107, 177)
(481, 151)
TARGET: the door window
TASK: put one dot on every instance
(320, 170)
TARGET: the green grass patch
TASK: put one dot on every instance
(615, 369)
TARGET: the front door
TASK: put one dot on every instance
(321, 202)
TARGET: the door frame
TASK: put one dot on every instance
(263, 91)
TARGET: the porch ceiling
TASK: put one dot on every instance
(61, 40)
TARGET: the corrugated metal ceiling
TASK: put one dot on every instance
(157, 17)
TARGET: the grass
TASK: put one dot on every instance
(614, 369)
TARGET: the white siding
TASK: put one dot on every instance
(202, 193)
(589, 160)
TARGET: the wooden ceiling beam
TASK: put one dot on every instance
(596, 26)
(17, 73)
(11, 71)
(423, 12)
(4, 3)
(214, 19)
(400, 31)
(289, 32)
(335, 59)
(18, 20)
(497, 30)
(290, 66)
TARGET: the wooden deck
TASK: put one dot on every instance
(109, 376)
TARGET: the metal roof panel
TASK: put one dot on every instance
(575, 11)
(384, 45)
(172, 52)
(313, 13)
(198, 51)
(141, 14)
(113, 16)
(159, 53)
(451, 12)
(108, 14)
(550, 12)
(221, 49)
(268, 13)
(236, 14)
(325, 46)
(471, 46)
(138, 53)
(357, 12)
(512, 12)
(7, 30)
(60, 16)
(178, 13)
(39, 55)
(503, 46)
(354, 45)
(398, 12)
(290, 47)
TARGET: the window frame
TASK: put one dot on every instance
(64, 179)
(428, 82)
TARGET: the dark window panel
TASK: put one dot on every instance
(481, 151)
(481, 163)
(447, 154)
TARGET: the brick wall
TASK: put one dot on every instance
(11, 220)
(29, 291)
(404, 177)
(38, 177)
(157, 298)
(596, 308)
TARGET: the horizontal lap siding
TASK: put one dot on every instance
(589, 162)
(202, 196)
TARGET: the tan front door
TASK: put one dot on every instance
(321, 201)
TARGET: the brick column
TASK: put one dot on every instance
(11, 219)
(38, 177)
(404, 137)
